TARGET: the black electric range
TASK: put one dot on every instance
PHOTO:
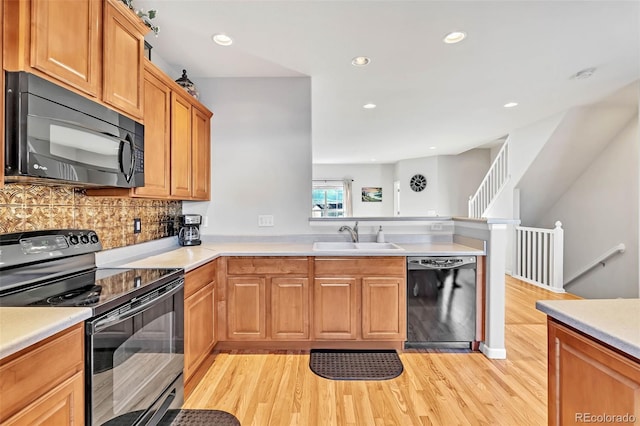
(57, 268)
(137, 320)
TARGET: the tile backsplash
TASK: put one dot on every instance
(26, 207)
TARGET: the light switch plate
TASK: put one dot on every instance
(265, 220)
(137, 225)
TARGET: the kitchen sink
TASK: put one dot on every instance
(347, 246)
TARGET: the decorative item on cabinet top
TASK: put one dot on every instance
(146, 17)
(187, 84)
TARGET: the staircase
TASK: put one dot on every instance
(493, 182)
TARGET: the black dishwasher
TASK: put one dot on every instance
(441, 302)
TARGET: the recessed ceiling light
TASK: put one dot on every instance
(454, 37)
(582, 74)
(510, 104)
(373, 159)
(369, 106)
(360, 61)
(222, 39)
(432, 147)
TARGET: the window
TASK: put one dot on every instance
(328, 198)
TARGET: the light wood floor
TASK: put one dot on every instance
(435, 388)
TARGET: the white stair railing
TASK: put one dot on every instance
(539, 256)
(492, 184)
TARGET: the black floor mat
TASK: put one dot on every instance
(182, 418)
(355, 364)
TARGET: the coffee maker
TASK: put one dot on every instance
(189, 233)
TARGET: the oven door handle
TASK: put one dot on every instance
(108, 321)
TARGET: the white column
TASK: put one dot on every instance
(493, 345)
(557, 282)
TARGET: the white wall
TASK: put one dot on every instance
(458, 178)
(363, 175)
(260, 155)
(599, 211)
(425, 202)
(451, 179)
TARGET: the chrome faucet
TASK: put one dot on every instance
(352, 231)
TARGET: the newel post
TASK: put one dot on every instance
(558, 257)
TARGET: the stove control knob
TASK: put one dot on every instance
(94, 238)
(84, 239)
(73, 239)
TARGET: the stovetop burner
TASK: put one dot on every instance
(99, 289)
(79, 297)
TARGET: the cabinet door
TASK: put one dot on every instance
(289, 308)
(2, 99)
(65, 41)
(123, 52)
(198, 328)
(246, 311)
(335, 308)
(180, 147)
(63, 405)
(587, 378)
(157, 136)
(201, 160)
(383, 308)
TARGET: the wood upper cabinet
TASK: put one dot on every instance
(588, 378)
(66, 41)
(157, 135)
(360, 298)
(199, 318)
(335, 308)
(180, 146)
(123, 53)
(200, 151)
(44, 383)
(92, 47)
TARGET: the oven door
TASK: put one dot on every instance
(135, 356)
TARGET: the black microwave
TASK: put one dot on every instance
(54, 135)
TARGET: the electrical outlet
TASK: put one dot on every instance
(137, 225)
(436, 227)
(265, 220)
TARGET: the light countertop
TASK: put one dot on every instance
(615, 322)
(22, 327)
(192, 257)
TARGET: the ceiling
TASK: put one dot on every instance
(432, 98)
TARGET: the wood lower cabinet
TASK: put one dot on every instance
(335, 308)
(289, 308)
(588, 378)
(199, 320)
(359, 298)
(382, 313)
(44, 383)
(267, 298)
(246, 308)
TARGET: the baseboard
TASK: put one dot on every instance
(493, 353)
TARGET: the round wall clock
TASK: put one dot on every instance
(418, 182)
